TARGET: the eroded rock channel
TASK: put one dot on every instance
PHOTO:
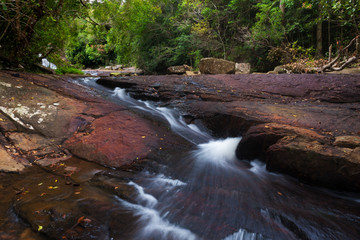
(81, 158)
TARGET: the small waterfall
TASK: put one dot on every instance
(48, 64)
(217, 152)
(188, 131)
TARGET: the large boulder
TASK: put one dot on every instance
(216, 66)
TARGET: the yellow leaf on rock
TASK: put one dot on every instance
(40, 228)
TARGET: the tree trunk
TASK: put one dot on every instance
(319, 45)
(319, 37)
(282, 8)
(330, 52)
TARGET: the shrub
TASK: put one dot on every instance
(68, 70)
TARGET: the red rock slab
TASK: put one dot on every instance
(316, 163)
(339, 120)
(115, 140)
(259, 138)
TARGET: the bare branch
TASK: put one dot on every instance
(330, 65)
(345, 64)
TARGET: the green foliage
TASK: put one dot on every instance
(63, 66)
(34, 27)
(268, 29)
(68, 70)
(156, 34)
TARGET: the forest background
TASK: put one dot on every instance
(156, 34)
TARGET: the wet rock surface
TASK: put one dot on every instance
(8, 163)
(306, 126)
(115, 140)
(45, 120)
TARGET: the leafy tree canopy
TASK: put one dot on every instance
(155, 34)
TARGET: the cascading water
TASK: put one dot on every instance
(188, 131)
(212, 195)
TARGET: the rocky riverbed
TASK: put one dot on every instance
(60, 140)
(306, 126)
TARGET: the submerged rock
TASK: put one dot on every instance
(72, 207)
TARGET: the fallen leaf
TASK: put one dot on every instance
(40, 228)
(80, 219)
(279, 193)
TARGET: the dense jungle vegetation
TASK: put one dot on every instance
(156, 34)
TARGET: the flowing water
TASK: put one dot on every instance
(209, 194)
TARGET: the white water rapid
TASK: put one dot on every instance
(188, 131)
